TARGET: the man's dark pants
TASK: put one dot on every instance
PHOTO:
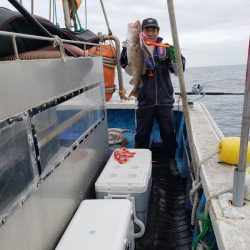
(164, 117)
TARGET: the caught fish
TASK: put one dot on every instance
(116, 137)
(134, 55)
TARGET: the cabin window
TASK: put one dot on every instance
(62, 126)
(17, 174)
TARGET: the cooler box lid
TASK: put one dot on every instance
(98, 224)
(132, 176)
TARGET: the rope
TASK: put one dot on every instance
(195, 205)
(215, 196)
(194, 193)
(58, 43)
(196, 185)
(106, 19)
(76, 18)
(205, 229)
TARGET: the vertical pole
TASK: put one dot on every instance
(15, 47)
(240, 171)
(50, 2)
(182, 86)
(86, 18)
(122, 91)
(106, 18)
(32, 7)
(66, 14)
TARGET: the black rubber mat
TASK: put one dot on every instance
(168, 225)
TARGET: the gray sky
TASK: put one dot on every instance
(214, 32)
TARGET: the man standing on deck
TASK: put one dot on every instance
(155, 95)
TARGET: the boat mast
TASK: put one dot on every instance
(182, 87)
(240, 171)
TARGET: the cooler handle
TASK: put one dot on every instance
(136, 220)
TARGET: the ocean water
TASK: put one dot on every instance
(226, 110)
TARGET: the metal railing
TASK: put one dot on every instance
(122, 91)
(56, 40)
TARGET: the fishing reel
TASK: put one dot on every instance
(197, 89)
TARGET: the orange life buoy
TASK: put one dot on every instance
(107, 51)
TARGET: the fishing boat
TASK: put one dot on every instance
(57, 134)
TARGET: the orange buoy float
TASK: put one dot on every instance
(108, 53)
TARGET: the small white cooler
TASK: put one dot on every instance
(100, 225)
(130, 179)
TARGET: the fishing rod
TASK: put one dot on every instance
(210, 93)
(197, 89)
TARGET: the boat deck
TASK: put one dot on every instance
(168, 225)
(230, 224)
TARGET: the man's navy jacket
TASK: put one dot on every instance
(157, 88)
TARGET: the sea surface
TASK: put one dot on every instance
(226, 110)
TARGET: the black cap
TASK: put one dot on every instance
(150, 22)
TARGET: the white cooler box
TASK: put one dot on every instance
(132, 178)
(100, 225)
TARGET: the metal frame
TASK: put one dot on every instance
(40, 177)
(39, 220)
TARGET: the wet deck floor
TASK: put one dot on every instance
(168, 225)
